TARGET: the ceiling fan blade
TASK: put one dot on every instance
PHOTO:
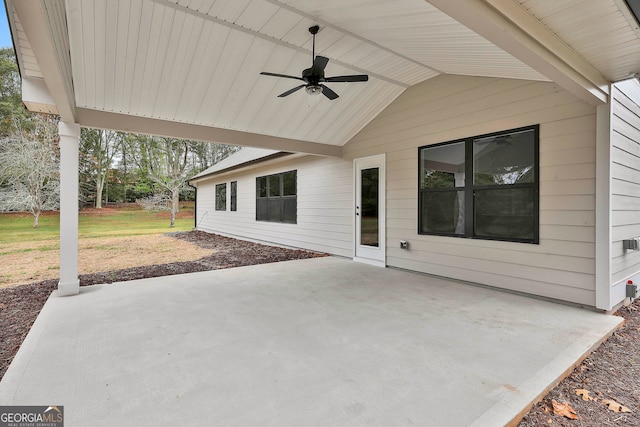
(320, 63)
(290, 91)
(354, 78)
(264, 73)
(326, 91)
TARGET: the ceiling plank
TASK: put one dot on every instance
(288, 39)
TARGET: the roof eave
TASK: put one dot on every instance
(243, 165)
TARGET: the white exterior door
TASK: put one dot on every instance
(369, 210)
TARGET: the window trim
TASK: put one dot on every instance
(280, 197)
(222, 208)
(469, 188)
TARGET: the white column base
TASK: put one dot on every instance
(69, 288)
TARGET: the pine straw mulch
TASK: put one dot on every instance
(610, 373)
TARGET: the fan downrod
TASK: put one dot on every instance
(314, 30)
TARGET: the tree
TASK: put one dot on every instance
(99, 147)
(163, 165)
(166, 161)
(11, 107)
(29, 167)
(208, 154)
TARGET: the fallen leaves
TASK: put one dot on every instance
(584, 394)
(615, 406)
(564, 410)
(609, 403)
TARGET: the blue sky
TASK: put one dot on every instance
(5, 36)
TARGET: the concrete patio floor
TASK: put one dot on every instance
(317, 342)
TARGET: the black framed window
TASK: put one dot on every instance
(483, 187)
(221, 197)
(276, 197)
(234, 195)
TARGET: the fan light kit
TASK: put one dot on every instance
(313, 90)
(314, 78)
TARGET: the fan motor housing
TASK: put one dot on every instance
(309, 76)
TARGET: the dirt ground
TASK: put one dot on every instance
(26, 262)
(610, 375)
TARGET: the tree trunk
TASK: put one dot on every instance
(99, 188)
(175, 206)
(36, 219)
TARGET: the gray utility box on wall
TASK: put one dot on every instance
(631, 244)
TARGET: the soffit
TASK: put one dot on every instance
(26, 58)
(603, 32)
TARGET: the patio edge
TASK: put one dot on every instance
(22, 358)
(510, 410)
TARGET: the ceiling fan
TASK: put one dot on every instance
(314, 78)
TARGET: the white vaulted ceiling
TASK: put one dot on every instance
(198, 62)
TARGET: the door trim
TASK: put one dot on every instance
(380, 257)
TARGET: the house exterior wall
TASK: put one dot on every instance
(324, 206)
(445, 108)
(625, 182)
(561, 266)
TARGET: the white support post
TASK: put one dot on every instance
(69, 141)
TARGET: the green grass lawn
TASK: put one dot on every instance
(121, 222)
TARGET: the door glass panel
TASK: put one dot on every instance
(369, 222)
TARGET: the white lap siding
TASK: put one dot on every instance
(445, 108)
(324, 200)
(625, 178)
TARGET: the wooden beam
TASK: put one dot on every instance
(145, 125)
(508, 26)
